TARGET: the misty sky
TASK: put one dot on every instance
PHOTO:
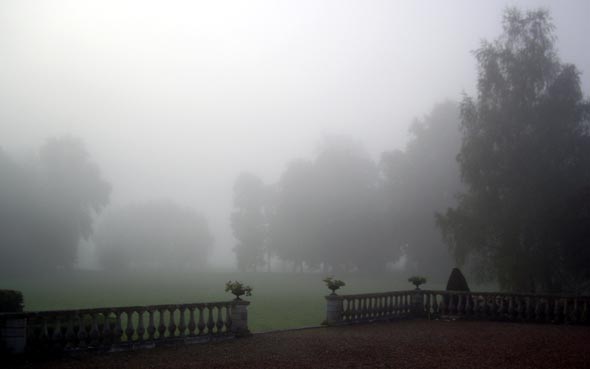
(174, 98)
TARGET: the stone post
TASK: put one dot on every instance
(13, 333)
(334, 309)
(239, 318)
(417, 303)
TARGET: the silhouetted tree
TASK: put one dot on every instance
(525, 156)
(328, 212)
(420, 181)
(159, 235)
(47, 207)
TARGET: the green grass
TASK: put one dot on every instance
(279, 300)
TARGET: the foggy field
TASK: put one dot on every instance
(279, 300)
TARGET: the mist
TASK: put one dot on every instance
(173, 100)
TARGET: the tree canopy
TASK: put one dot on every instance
(48, 205)
(420, 181)
(525, 160)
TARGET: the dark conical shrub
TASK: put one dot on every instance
(457, 281)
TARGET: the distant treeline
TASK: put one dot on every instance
(342, 211)
(499, 183)
(505, 176)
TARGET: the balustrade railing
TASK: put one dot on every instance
(454, 304)
(136, 326)
(508, 306)
(368, 307)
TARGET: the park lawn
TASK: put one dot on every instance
(278, 301)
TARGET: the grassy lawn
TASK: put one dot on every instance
(279, 300)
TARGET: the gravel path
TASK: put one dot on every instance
(405, 344)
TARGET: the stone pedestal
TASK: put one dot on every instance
(334, 309)
(239, 318)
(13, 333)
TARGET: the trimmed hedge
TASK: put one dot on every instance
(11, 301)
(457, 281)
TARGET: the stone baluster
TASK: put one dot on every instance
(405, 303)
(575, 312)
(172, 323)
(584, 315)
(56, 336)
(140, 327)
(460, 304)
(210, 323)
(106, 332)
(502, 307)
(547, 303)
(468, 304)
(118, 327)
(151, 329)
(435, 306)
(556, 316)
(493, 307)
(538, 309)
(228, 321)
(44, 335)
(528, 308)
(201, 324)
(219, 323)
(565, 311)
(191, 321)
(451, 304)
(70, 334)
(162, 324)
(428, 304)
(519, 308)
(94, 333)
(181, 323)
(483, 306)
(442, 306)
(81, 334)
(129, 330)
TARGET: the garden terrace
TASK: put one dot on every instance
(404, 344)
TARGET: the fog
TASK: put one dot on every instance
(174, 99)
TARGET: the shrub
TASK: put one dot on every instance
(11, 301)
(334, 284)
(417, 280)
(457, 281)
(238, 289)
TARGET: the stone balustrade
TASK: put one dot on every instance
(368, 307)
(507, 306)
(130, 327)
(344, 309)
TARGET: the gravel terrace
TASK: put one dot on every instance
(404, 344)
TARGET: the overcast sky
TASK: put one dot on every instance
(174, 98)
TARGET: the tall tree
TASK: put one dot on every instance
(47, 207)
(74, 192)
(249, 221)
(524, 157)
(420, 181)
(328, 212)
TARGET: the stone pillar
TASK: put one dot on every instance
(334, 309)
(13, 333)
(417, 303)
(239, 318)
